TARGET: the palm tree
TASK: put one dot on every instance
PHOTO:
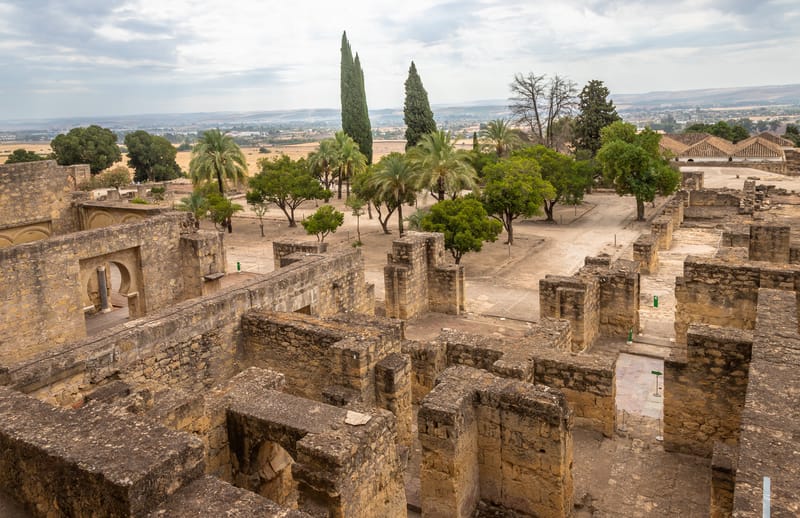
(324, 161)
(396, 177)
(501, 136)
(443, 169)
(217, 156)
(195, 203)
(350, 159)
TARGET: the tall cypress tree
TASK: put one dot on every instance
(417, 112)
(596, 112)
(355, 114)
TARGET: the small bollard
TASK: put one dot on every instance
(630, 336)
(238, 266)
(655, 301)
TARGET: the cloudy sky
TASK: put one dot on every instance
(114, 57)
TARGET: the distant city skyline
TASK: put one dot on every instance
(84, 58)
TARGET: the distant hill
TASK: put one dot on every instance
(712, 97)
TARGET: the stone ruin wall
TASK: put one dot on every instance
(37, 200)
(95, 214)
(351, 361)
(494, 444)
(541, 358)
(601, 300)
(282, 249)
(48, 281)
(418, 279)
(778, 167)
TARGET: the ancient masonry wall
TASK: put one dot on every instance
(771, 243)
(37, 200)
(724, 293)
(497, 441)
(97, 214)
(337, 462)
(282, 249)
(48, 282)
(704, 391)
(194, 344)
(646, 246)
(354, 360)
(602, 299)
(418, 279)
(542, 358)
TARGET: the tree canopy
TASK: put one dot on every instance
(355, 114)
(92, 145)
(792, 133)
(464, 223)
(633, 163)
(501, 137)
(349, 160)
(417, 112)
(19, 156)
(152, 157)
(596, 111)
(514, 188)
(287, 183)
(396, 179)
(539, 102)
(569, 179)
(732, 132)
(443, 169)
(324, 221)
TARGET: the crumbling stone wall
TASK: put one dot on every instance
(542, 357)
(96, 214)
(282, 249)
(769, 243)
(89, 462)
(37, 200)
(418, 279)
(342, 463)
(704, 389)
(193, 344)
(355, 360)
(645, 252)
(43, 282)
(602, 299)
(500, 441)
(692, 180)
(714, 203)
(723, 479)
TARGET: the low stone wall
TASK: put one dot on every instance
(192, 345)
(501, 441)
(576, 299)
(418, 279)
(341, 463)
(97, 214)
(282, 249)
(89, 462)
(704, 391)
(769, 243)
(355, 361)
(778, 167)
(587, 381)
(645, 252)
(692, 180)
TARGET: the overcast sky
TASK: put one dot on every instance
(114, 57)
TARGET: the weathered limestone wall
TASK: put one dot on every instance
(645, 252)
(724, 293)
(194, 344)
(771, 416)
(662, 228)
(354, 361)
(692, 180)
(89, 462)
(282, 249)
(704, 391)
(203, 256)
(769, 243)
(587, 381)
(716, 203)
(602, 299)
(96, 214)
(418, 279)
(503, 442)
(37, 200)
(343, 463)
(47, 282)
(576, 299)
(723, 479)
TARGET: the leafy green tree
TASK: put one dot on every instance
(569, 180)
(324, 162)
(366, 189)
(349, 160)
(324, 221)
(444, 170)
(151, 157)
(19, 156)
(396, 179)
(501, 137)
(355, 114)
(634, 164)
(515, 188)
(217, 157)
(722, 129)
(792, 133)
(596, 111)
(92, 145)
(464, 223)
(258, 204)
(417, 112)
(286, 183)
(357, 206)
(221, 210)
